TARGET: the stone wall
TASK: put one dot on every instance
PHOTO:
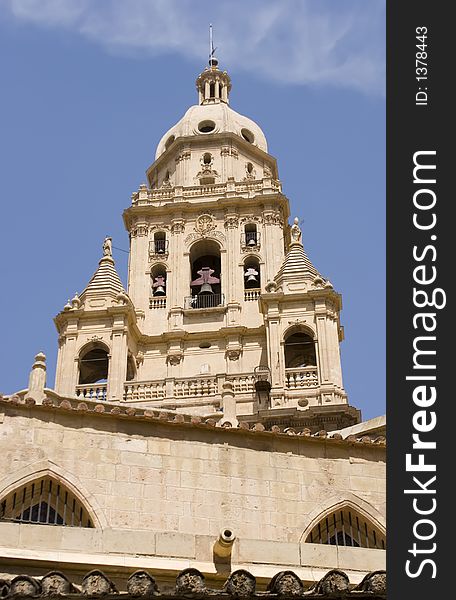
(154, 485)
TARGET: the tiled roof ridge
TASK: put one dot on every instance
(147, 414)
(190, 583)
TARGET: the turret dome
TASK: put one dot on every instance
(208, 118)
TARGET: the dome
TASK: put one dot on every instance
(213, 118)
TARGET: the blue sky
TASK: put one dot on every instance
(88, 89)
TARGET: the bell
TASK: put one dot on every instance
(206, 288)
(251, 275)
(251, 242)
(159, 291)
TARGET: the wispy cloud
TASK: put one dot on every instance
(324, 42)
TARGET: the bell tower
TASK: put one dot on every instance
(224, 314)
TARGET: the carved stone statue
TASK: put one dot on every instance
(296, 232)
(107, 246)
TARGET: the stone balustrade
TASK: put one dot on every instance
(243, 384)
(92, 391)
(304, 377)
(195, 387)
(146, 196)
(144, 390)
(157, 302)
(250, 295)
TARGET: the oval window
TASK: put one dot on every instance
(248, 135)
(206, 126)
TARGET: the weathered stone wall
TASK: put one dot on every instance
(159, 477)
(167, 489)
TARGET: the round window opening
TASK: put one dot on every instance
(206, 126)
(248, 135)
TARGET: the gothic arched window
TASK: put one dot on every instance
(44, 501)
(347, 527)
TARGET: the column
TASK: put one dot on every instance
(117, 372)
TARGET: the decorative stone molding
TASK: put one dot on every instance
(139, 230)
(76, 302)
(159, 227)
(216, 235)
(229, 151)
(139, 358)
(122, 298)
(177, 227)
(267, 173)
(184, 155)
(273, 218)
(250, 219)
(233, 353)
(231, 222)
(271, 287)
(174, 358)
(205, 224)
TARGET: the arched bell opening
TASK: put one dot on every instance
(250, 235)
(205, 268)
(299, 351)
(158, 280)
(160, 243)
(93, 365)
(252, 276)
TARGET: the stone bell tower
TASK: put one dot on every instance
(224, 314)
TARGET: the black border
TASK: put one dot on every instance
(411, 128)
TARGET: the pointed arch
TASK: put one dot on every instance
(48, 470)
(346, 521)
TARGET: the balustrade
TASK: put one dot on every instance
(304, 377)
(157, 302)
(92, 391)
(144, 390)
(252, 294)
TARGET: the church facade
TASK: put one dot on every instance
(198, 418)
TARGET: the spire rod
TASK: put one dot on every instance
(213, 62)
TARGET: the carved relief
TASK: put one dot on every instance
(205, 227)
(250, 219)
(231, 222)
(205, 224)
(139, 358)
(177, 227)
(184, 155)
(267, 173)
(174, 358)
(139, 229)
(159, 227)
(228, 151)
(233, 353)
(273, 218)
(95, 338)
